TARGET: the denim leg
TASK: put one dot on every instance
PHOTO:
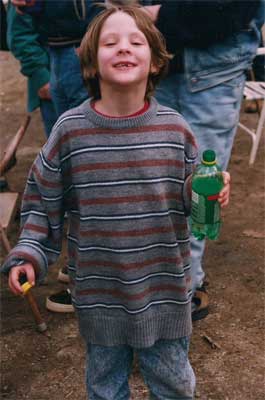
(107, 372)
(213, 116)
(49, 116)
(67, 86)
(167, 371)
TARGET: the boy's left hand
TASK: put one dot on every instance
(225, 192)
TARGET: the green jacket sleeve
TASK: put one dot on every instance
(23, 42)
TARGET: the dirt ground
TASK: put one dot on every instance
(227, 349)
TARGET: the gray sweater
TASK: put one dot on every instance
(123, 183)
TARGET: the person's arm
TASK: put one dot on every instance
(42, 217)
(23, 42)
(190, 160)
(196, 23)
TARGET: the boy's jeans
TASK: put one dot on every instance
(67, 86)
(165, 368)
(213, 116)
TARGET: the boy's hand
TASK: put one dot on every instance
(225, 192)
(15, 273)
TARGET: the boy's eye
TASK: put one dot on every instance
(137, 43)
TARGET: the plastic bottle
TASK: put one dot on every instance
(207, 182)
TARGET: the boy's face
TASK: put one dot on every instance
(124, 55)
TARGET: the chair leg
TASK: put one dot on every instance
(260, 129)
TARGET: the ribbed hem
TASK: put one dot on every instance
(111, 331)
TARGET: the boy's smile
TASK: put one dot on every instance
(124, 55)
(124, 65)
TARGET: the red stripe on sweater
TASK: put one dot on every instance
(44, 182)
(129, 266)
(131, 199)
(131, 233)
(36, 228)
(138, 296)
(33, 197)
(126, 164)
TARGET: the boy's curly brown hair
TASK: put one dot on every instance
(89, 48)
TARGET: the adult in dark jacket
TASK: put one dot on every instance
(62, 25)
(25, 43)
(214, 43)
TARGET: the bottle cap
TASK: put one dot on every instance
(26, 286)
(209, 157)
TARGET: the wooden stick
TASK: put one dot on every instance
(41, 325)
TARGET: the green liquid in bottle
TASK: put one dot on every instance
(207, 182)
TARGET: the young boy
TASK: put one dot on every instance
(120, 165)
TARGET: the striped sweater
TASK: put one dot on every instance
(123, 183)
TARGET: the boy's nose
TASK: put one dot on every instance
(124, 47)
(124, 50)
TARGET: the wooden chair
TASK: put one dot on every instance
(8, 208)
(8, 200)
(255, 91)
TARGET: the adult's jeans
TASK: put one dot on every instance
(66, 82)
(48, 114)
(213, 116)
(165, 368)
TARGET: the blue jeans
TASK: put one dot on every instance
(67, 86)
(49, 116)
(165, 368)
(213, 116)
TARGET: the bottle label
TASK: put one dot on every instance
(205, 209)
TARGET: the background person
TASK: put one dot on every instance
(27, 46)
(214, 43)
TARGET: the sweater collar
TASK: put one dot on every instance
(119, 123)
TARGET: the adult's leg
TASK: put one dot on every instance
(67, 86)
(49, 115)
(57, 91)
(213, 116)
(167, 371)
(107, 372)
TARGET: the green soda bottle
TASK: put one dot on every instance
(207, 182)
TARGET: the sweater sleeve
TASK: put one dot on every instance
(23, 42)
(193, 23)
(190, 161)
(42, 216)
